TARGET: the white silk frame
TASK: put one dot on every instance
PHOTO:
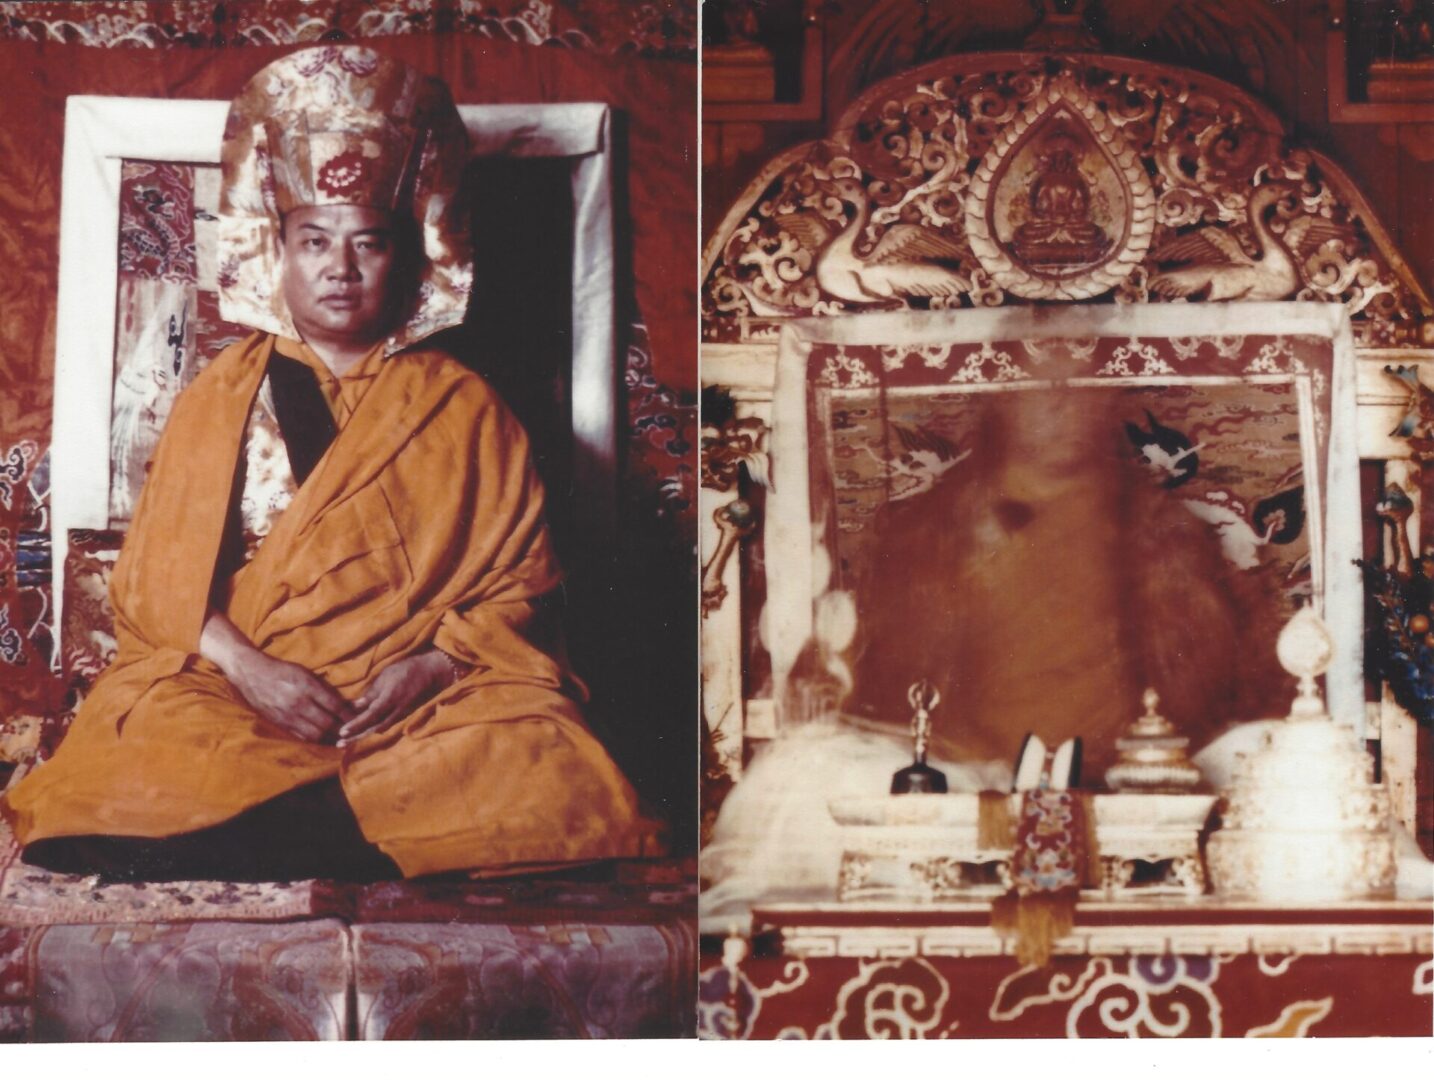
(797, 573)
(101, 132)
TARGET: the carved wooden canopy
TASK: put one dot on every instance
(992, 179)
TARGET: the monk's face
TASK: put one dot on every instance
(339, 273)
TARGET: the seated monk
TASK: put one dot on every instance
(1046, 581)
(334, 656)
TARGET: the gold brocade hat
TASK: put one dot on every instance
(342, 125)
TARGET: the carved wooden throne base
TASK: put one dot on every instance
(925, 848)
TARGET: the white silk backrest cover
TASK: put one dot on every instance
(953, 351)
(102, 132)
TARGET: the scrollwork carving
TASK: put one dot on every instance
(992, 179)
(730, 447)
(940, 876)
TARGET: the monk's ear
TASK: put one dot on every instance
(280, 259)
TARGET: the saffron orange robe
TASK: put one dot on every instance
(421, 526)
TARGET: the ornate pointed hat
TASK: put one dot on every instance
(342, 125)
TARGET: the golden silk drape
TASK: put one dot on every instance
(422, 525)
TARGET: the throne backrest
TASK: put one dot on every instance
(946, 192)
(140, 186)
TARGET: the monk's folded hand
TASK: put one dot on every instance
(289, 696)
(398, 690)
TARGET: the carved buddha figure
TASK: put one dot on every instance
(1060, 232)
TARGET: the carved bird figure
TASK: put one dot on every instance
(1274, 275)
(1165, 450)
(924, 458)
(1225, 270)
(904, 261)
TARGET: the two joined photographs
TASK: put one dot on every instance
(751, 520)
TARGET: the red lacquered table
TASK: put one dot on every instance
(1202, 968)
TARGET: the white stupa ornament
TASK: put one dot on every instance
(1304, 823)
(1304, 649)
